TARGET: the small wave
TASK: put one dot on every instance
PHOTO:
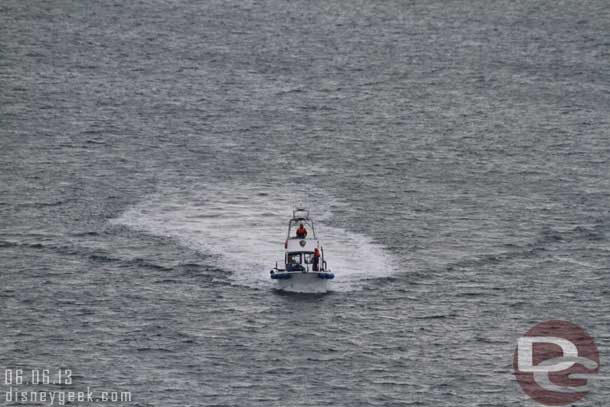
(101, 258)
(435, 317)
(45, 204)
(89, 233)
(148, 264)
(4, 243)
(471, 295)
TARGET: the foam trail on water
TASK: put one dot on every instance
(244, 228)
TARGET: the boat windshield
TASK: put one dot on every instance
(294, 258)
(300, 258)
(308, 258)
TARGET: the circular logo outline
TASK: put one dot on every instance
(553, 360)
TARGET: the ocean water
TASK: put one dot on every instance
(456, 156)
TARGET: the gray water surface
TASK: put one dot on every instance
(456, 155)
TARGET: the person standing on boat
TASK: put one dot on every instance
(301, 232)
(316, 259)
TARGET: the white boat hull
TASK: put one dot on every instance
(303, 283)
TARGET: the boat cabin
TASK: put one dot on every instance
(299, 250)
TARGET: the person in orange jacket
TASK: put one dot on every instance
(301, 232)
(316, 259)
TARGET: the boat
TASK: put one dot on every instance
(303, 271)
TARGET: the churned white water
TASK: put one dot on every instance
(244, 228)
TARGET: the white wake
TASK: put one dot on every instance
(244, 227)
